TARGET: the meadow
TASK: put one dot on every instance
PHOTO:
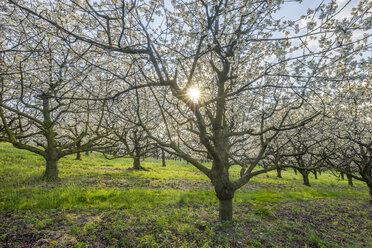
(103, 203)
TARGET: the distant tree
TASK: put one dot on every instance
(127, 138)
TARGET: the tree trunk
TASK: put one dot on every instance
(163, 158)
(78, 156)
(342, 176)
(350, 180)
(51, 171)
(87, 153)
(370, 194)
(225, 210)
(295, 171)
(225, 194)
(137, 164)
(51, 152)
(315, 174)
(305, 176)
(279, 173)
(320, 172)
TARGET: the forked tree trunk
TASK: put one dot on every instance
(349, 180)
(305, 176)
(279, 173)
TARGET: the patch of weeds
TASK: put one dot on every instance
(147, 241)
(265, 211)
(186, 229)
(80, 245)
(182, 199)
(255, 243)
(89, 228)
(251, 218)
(315, 240)
(3, 236)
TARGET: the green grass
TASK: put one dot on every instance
(99, 201)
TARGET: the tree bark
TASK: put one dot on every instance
(137, 164)
(225, 194)
(370, 194)
(279, 173)
(87, 153)
(350, 180)
(315, 174)
(225, 210)
(51, 152)
(163, 158)
(342, 176)
(295, 171)
(305, 176)
(78, 156)
(51, 171)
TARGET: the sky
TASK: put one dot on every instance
(294, 10)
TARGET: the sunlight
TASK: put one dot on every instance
(194, 94)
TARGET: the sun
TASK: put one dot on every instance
(194, 94)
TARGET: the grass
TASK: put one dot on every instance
(100, 203)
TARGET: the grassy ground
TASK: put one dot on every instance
(100, 203)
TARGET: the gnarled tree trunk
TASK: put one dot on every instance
(305, 176)
(224, 191)
(350, 180)
(279, 173)
(78, 156)
(163, 158)
(51, 170)
(225, 196)
(137, 164)
(315, 174)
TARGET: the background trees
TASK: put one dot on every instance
(40, 88)
(350, 128)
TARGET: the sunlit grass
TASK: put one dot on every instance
(99, 183)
